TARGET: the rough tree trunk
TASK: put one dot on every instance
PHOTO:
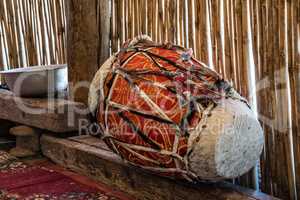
(88, 29)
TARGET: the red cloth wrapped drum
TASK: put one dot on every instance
(161, 109)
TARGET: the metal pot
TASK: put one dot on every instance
(37, 81)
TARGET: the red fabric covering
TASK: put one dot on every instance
(40, 181)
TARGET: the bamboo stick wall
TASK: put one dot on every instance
(32, 32)
(255, 44)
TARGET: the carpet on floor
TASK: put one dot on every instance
(46, 181)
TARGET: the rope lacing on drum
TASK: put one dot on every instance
(204, 104)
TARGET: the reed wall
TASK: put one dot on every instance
(32, 32)
(255, 44)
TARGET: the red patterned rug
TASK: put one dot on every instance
(46, 181)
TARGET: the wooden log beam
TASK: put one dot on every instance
(55, 115)
(88, 27)
(90, 156)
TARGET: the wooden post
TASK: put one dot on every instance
(27, 141)
(1, 57)
(88, 28)
(1, 53)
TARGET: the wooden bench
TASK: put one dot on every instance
(90, 156)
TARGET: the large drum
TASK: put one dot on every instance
(162, 110)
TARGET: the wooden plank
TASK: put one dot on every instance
(56, 115)
(98, 162)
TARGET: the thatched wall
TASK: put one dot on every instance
(32, 32)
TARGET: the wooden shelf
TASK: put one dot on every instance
(55, 115)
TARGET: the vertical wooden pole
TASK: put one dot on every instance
(103, 30)
(160, 21)
(1, 53)
(88, 25)
(191, 27)
(1, 39)
(294, 71)
(113, 27)
(216, 36)
(203, 48)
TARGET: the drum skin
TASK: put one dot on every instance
(160, 109)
